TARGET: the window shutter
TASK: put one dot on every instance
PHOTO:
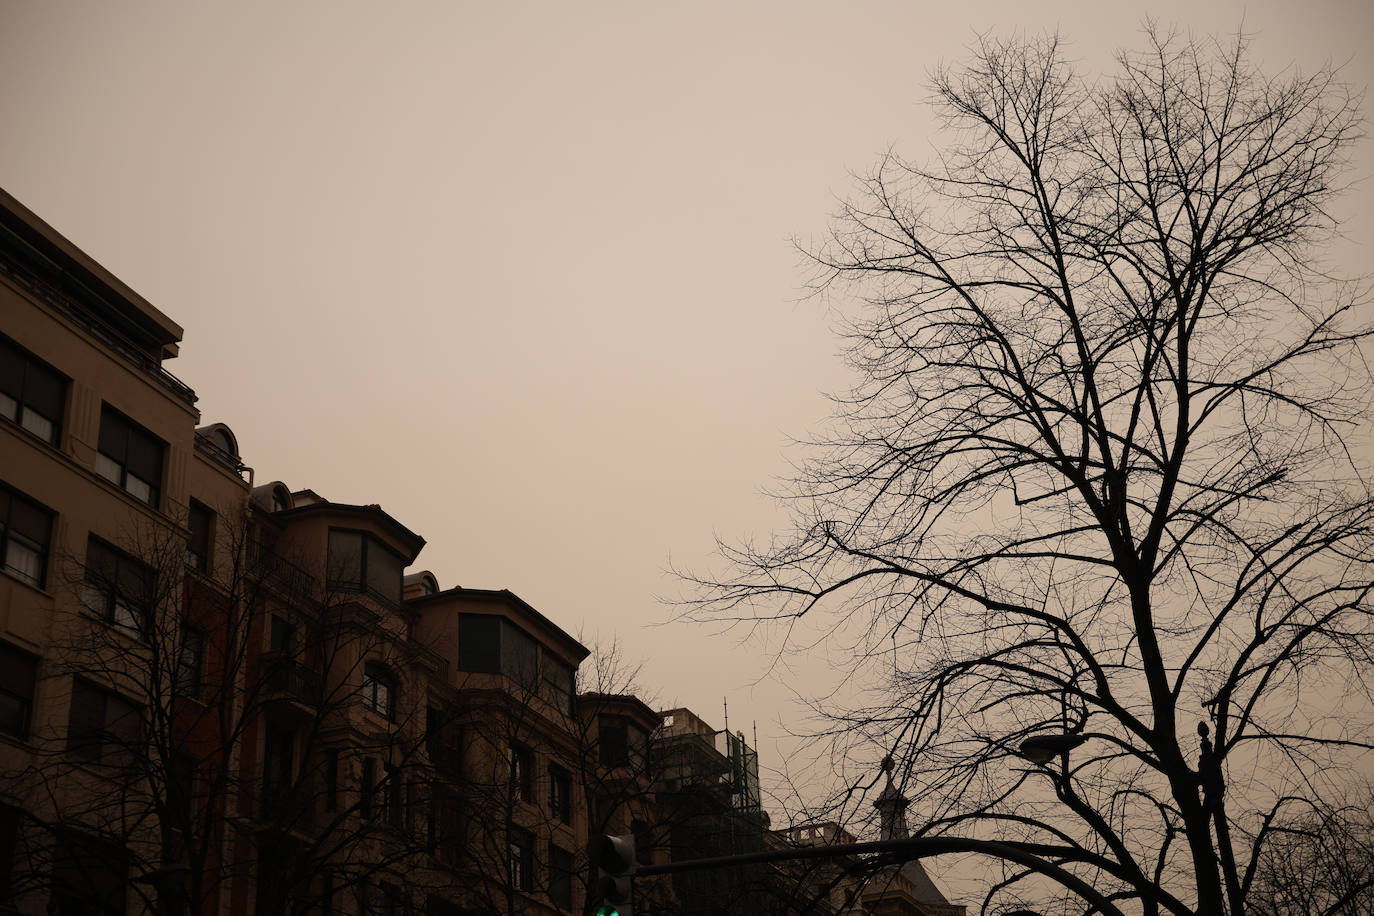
(44, 391)
(145, 457)
(114, 435)
(30, 521)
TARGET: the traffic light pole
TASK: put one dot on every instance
(901, 851)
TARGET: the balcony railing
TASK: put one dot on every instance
(288, 678)
(45, 291)
(206, 445)
(291, 582)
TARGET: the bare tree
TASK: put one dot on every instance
(203, 742)
(1094, 491)
(1318, 863)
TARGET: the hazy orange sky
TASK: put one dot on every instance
(522, 273)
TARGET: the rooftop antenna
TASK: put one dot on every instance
(725, 701)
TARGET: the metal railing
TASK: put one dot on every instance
(215, 453)
(289, 677)
(45, 291)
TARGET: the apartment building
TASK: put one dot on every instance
(224, 696)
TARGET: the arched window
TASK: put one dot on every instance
(379, 689)
(280, 501)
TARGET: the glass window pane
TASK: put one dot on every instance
(519, 656)
(23, 560)
(108, 468)
(145, 457)
(383, 571)
(140, 489)
(346, 558)
(38, 424)
(114, 435)
(479, 643)
(12, 361)
(44, 390)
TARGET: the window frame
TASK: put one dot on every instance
(360, 580)
(560, 876)
(18, 684)
(90, 741)
(9, 499)
(32, 372)
(560, 793)
(201, 541)
(521, 772)
(378, 675)
(391, 796)
(132, 437)
(116, 606)
(367, 787)
(520, 845)
(190, 677)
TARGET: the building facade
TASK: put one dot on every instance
(225, 696)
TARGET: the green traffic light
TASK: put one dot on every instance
(607, 910)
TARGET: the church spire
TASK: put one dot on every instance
(891, 805)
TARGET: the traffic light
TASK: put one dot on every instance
(613, 857)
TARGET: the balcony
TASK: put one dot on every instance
(207, 447)
(83, 315)
(287, 679)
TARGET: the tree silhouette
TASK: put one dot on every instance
(1094, 506)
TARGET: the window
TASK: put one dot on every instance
(379, 689)
(18, 675)
(479, 643)
(558, 684)
(181, 791)
(32, 393)
(130, 456)
(117, 587)
(392, 794)
(282, 636)
(103, 728)
(446, 829)
(25, 532)
(331, 781)
(443, 741)
(622, 744)
(367, 788)
(90, 877)
(488, 644)
(560, 877)
(201, 521)
(520, 657)
(278, 762)
(521, 859)
(190, 661)
(521, 773)
(560, 794)
(360, 563)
